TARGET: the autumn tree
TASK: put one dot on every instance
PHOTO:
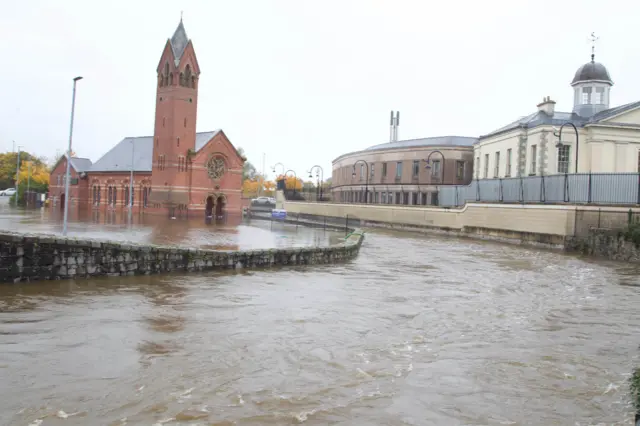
(291, 182)
(33, 176)
(8, 164)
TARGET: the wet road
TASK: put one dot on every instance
(415, 331)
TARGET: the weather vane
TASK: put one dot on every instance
(181, 18)
(593, 39)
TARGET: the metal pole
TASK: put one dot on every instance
(17, 174)
(28, 182)
(66, 180)
(133, 147)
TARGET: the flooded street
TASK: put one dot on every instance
(417, 330)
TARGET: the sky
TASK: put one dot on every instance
(303, 82)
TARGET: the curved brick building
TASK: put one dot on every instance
(176, 171)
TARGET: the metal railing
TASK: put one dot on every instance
(581, 188)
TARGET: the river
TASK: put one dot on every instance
(417, 330)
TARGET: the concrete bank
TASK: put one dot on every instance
(26, 257)
(563, 227)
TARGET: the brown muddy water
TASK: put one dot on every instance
(416, 331)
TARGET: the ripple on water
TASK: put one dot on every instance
(414, 331)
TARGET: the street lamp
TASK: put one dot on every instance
(366, 187)
(131, 182)
(560, 144)
(18, 174)
(321, 179)
(273, 168)
(428, 161)
(66, 180)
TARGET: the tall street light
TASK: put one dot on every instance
(273, 168)
(428, 161)
(131, 183)
(560, 144)
(66, 175)
(18, 174)
(321, 179)
(366, 186)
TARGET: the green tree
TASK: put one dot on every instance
(248, 170)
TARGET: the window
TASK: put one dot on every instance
(178, 141)
(486, 166)
(586, 95)
(399, 170)
(114, 198)
(384, 169)
(372, 169)
(598, 96)
(534, 152)
(638, 161)
(563, 159)
(507, 171)
(362, 171)
(125, 196)
(435, 169)
(157, 139)
(185, 122)
(460, 166)
(496, 167)
(477, 167)
(164, 120)
(416, 168)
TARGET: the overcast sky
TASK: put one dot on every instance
(303, 81)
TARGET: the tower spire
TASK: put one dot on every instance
(593, 39)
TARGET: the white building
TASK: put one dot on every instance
(608, 138)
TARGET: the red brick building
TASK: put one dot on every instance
(177, 170)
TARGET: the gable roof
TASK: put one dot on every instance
(79, 164)
(118, 158)
(608, 113)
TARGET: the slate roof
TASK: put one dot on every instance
(539, 118)
(80, 164)
(118, 159)
(179, 42)
(432, 141)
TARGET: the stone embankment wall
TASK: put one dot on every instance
(26, 257)
(605, 243)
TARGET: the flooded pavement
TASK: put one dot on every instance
(234, 234)
(415, 331)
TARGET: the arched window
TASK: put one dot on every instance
(185, 122)
(99, 195)
(115, 196)
(109, 195)
(95, 195)
(166, 74)
(160, 80)
(193, 82)
(178, 141)
(171, 79)
(182, 79)
(145, 197)
(125, 196)
(187, 76)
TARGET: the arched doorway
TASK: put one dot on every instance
(208, 209)
(62, 202)
(220, 204)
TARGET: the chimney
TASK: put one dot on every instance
(547, 106)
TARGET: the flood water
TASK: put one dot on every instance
(417, 330)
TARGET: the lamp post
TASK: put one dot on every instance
(560, 144)
(428, 161)
(28, 183)
(321, 179)
(18, 174)
(66, 175)
(131, 182)
(273, 168)
(366, 186)
(295, 182)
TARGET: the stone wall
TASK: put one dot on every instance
(605, 243)
(26, 257)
